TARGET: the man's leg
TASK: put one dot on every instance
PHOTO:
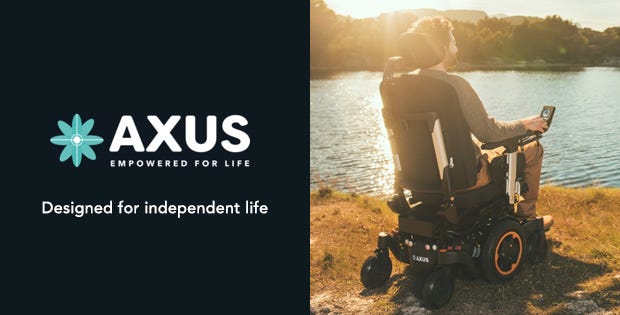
(484, 174)
(533, 165)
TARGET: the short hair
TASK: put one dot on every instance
(423, 44)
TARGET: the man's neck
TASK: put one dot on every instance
(437, 67)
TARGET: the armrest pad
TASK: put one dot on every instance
(512, 142)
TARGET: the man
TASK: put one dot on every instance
(431, 46)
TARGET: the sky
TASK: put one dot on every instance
(595, 14)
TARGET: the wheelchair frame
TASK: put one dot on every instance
(428, 238)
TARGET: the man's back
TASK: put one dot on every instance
(483, 126)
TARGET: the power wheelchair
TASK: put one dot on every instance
(444, 231)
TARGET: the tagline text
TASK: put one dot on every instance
(178, 210)
(179, 163)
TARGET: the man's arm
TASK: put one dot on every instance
(483, 126)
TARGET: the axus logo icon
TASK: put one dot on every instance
(76, 140)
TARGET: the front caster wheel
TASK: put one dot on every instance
(438, 288)
(376, 270)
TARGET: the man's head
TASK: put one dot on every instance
(429, 42)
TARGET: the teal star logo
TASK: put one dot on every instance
(76, 140)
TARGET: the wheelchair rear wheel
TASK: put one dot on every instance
(503, 251)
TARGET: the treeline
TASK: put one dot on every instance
(338, 41)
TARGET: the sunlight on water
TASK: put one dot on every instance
(349, 149)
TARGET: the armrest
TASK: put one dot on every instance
(511, 144)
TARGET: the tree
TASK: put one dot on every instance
(366, 43)
(322, 21)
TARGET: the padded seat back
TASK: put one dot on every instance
(412, 105)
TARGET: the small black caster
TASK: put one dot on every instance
(376, 270)
(438, 288)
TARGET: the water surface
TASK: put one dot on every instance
(349, 148)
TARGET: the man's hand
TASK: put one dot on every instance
(534, 123)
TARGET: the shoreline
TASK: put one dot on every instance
(464, 67)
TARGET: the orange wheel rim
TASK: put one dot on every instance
(508, 241)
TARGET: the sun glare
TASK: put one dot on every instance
(372, 8)
(599, 15)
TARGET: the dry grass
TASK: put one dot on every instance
(582, 269)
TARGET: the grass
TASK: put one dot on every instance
(582, 267)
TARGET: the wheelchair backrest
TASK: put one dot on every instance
(420, 113)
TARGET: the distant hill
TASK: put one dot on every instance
(471, 16)
(459, 15)
(519, 19)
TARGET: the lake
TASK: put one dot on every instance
(349, 149)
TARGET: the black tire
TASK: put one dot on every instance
(376, 270)
(438, 289)
(503, 251)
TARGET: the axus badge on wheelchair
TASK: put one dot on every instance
(443, 230)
